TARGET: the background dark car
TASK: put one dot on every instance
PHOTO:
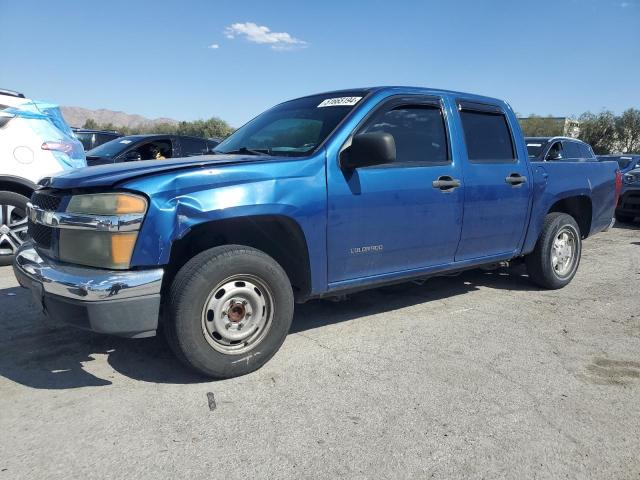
(94, 138)
(545, 149)
(626, 162)
(628, 206)
(148, 147)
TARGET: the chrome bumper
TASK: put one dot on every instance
(86, 284)
(125, 303)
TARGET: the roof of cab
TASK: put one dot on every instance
(549, 139)
(399, 89)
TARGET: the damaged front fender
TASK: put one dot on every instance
(182, 200)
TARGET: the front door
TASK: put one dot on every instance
(401, 216)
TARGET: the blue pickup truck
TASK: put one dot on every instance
(316, 197)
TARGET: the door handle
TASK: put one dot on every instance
(445, 183)
(515, 179)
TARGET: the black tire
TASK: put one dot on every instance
(624, 218)
(195, 286)
(7, 240)
(540, 262)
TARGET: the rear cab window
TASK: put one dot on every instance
(585, 151)
(571, 150)
(487, 134)
(191, 147)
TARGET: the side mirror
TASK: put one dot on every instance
(132, 156)
(375, 148)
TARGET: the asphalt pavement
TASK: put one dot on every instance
(482, 375)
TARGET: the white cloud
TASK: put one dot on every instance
(214, 46)
(263, 35)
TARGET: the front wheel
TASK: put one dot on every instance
(555, 259)
(228, 311)
(13, 224)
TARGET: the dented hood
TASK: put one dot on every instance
(109, 175)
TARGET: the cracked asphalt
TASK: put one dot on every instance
(476, 376)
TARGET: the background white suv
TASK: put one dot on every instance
(35, 142)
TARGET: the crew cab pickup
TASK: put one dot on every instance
(318, 196)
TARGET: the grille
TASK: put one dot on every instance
(40, 234)
(46, 200)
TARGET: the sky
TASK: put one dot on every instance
(233, 59)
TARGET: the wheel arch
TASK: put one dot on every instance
(18, 185)
(580, 208)
(279, 236)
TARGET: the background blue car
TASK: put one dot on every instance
(626, 162)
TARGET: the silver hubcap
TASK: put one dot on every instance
(237, 314)
(563, 251)
(13, 228)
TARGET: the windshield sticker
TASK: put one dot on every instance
(339, 102)
(125, 141)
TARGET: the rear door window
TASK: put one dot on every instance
(487, 137)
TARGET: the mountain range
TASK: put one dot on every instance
(77, 116)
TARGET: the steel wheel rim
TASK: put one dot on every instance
(564, 251)
(13, 229)
(237, 314)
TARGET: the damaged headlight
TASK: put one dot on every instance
(100, 230)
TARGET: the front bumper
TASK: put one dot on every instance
(124, 303)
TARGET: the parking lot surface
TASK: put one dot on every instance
(482, 375)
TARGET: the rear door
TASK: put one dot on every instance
(497, 183)
(391, 218)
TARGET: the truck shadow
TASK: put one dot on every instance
(41, 356)
(627, 226)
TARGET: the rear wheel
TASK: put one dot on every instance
(555, 259)
(13, 224)
(228, 311)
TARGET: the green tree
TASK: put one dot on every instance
(599, 131)
(628, 131)
(90, 123)
(538, 126)
(212, 127)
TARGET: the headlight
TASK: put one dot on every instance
(100, 230)
(107, 204)
(630, 178)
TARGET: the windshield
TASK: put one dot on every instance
(534, 148)
(293, 128)
(110, 149)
